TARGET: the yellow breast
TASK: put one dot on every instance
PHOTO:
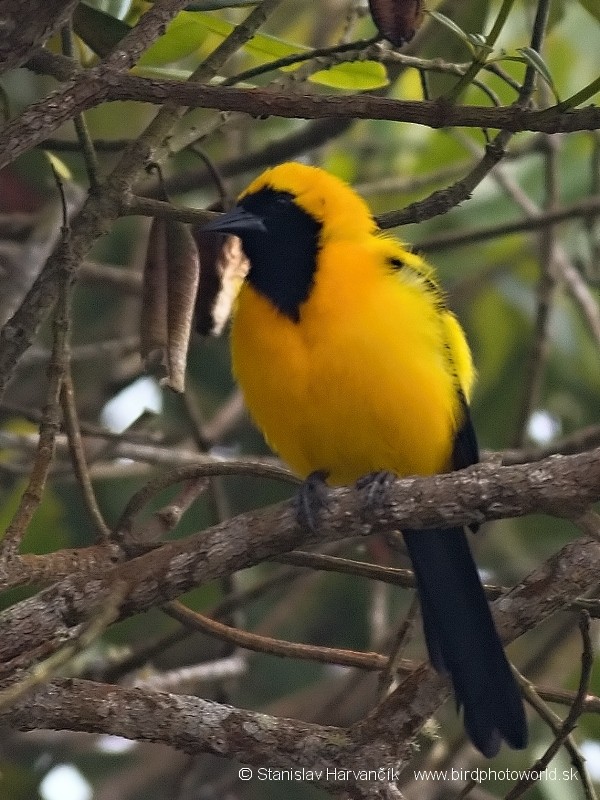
(362, 382)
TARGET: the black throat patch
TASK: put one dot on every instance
(283, 260)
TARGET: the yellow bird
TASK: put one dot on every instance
(352, 365)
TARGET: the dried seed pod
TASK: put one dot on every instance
(154, 320)
(223, 268)
(397, 20)
(183, 274)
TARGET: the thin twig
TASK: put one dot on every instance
(41, 673)
(360, 50)
(146, 493)
(346, 566)
(540, 348)
(278, 647)
(585, 209)
(540, 24)
(401, 639)
(576, 442)
(578, 707)
(481, 55)
(535, 699)
(120, 278)
(107, 349)
(90, 158)
(146, 651)
(444, 200)
(565, 697)
(76, 447)
(136, 448)
(49, 427)
(183, 680)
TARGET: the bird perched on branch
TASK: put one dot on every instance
(352, 365)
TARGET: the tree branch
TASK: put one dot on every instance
(560, 485)
(103, 84)
(382, 740)
(194, 725)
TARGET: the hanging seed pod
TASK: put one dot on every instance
(397, 20)
(183, 274)
(154, 321)
(224, 267)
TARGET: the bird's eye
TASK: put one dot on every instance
(283, 199)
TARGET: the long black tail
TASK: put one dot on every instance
(462, 639)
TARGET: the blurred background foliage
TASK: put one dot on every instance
(532, 389)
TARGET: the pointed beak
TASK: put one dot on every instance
(237, 221)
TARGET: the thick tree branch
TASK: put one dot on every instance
(380, 741)
(193, 725)
(104, 83)
(25, 27)
(560, 485)
(92, 86)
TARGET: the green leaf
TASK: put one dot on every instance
(189, 30)
(185, 34)
(217, 5)
(353, 76)
(98, 30)
(478, 41)
(592, 7)
(59, 166)
(534, 59)
(166, 73)
(452, 26)
(46, 531)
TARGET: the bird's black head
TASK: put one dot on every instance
(281, 242)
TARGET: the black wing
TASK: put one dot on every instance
(466, 450)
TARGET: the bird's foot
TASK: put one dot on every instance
(375, 485)
(311, 500)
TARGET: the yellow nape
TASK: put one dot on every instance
(323, 196)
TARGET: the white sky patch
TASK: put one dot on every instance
(130, 403)
(543, 427)
(114, 744)
(486, 575)
(590, 750)
(65, 782)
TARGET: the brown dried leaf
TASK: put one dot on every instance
(397, 20)
(183, 274)
(154, 325)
